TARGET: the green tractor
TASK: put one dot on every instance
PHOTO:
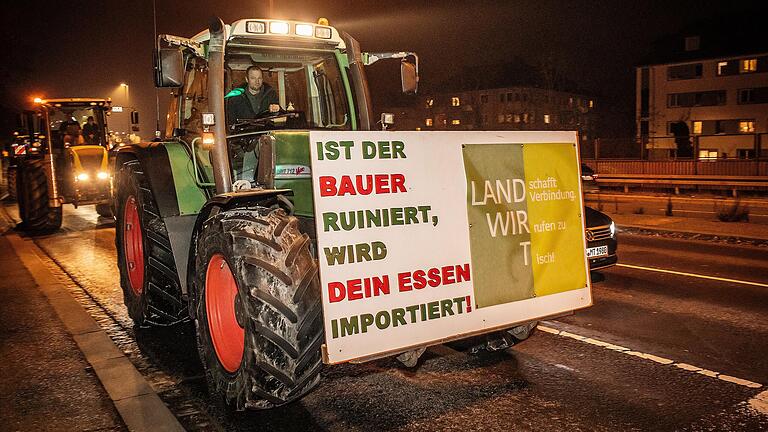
(60, 164)
(215, 222)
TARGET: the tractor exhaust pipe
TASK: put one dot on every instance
(222, 174)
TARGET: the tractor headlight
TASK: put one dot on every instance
(102, 175)
(613, 229)
(82, 177)
(304, 29)
(278, 27)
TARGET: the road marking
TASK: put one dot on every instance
(761, 399)
(743, 282)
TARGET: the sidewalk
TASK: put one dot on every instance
(46, 383)
(60, 370)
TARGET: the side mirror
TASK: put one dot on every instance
(409, 76)
(169, 67)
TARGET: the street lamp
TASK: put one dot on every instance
(127, 99)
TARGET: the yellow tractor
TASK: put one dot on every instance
(66, 163)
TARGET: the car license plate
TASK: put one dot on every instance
(598, 251)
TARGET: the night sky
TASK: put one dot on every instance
(79, 48)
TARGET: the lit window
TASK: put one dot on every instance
(746, 126)
(501, 118)
(430, 102)
(525, 117)
(721, 67)
(546, 118)
(428, 122)
(455, 101)
(748, 65)
(591, 104)
(697, 127)
(570, 101)
(708, 155)
(418, 128)
(455, 122)
(517, 118)
(508, 118)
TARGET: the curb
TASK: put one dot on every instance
(702, 235)
(137, 403)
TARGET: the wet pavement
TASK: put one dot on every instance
(550, 382)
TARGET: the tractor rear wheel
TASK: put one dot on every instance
(257, 308)
(12, 182)
(151, 288)
(32, 197)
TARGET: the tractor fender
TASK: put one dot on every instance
(154, 159)
(215, 205)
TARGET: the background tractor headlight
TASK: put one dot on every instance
(82, 177)
(102, 175)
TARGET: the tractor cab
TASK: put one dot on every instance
(278, 76)
(78, 143)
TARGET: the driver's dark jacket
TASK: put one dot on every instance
(239, 107)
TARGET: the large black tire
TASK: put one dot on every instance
(12, 182)
(32, 196)
(277, 303)
(157, 301)
(104, 210)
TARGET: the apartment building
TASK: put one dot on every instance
(507, 108)
(705, 107)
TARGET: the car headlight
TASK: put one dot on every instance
(82, 177)
(102, 175)
(613, 229)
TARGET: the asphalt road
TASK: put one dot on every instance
(679, 338)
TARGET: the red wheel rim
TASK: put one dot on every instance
(220, 295)
(133, 243)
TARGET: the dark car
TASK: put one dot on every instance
(601, 239)
(588, 179)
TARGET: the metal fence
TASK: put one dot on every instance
(725, 167)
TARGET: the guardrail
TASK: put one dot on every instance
(754, 167)
(678, 182)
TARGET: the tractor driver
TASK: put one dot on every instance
(257, 98)
(91, 131)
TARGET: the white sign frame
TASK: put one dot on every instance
(439, 152)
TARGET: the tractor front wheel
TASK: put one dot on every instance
(257, 308)
(147, 269)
